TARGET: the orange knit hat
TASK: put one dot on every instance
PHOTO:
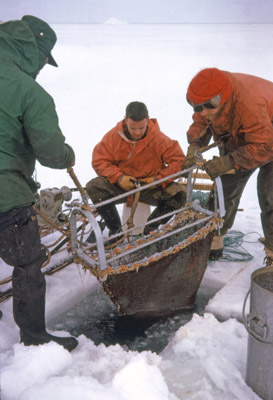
(209, 83)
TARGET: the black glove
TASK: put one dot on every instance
(219, 166)
(191, 158)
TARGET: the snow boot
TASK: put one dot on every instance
(216, 254)
(29, 306)
(36, 338)
(112, 220)
(92, 237)
(217, 248)
(161, 209)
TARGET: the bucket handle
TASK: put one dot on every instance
(247, 319)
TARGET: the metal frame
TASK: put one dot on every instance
(78, 251)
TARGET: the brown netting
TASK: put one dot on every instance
(160, 249)
(163, 286)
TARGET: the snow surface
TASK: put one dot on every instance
(101, 69)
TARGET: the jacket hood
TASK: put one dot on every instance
(19, 47)
(152, 129)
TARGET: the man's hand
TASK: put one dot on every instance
(151, 179)
(148, 180)
(127, 182)
(219, 166)
(191, 157)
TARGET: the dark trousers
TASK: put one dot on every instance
(100, 189)
(20, 247)
(233, 187)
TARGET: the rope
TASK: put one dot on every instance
(203, 197)
(79, 187)
(49, 221)
(130, 221)
(8, 293)
(233, 249)
(58, 244)
(188, 216)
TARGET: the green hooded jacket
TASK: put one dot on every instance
(29, 128)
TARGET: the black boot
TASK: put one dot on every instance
(161, 209)
(217, 248)
(29, 306)
(92, 237)
(36, 338)
(112, 220)
(216, 254)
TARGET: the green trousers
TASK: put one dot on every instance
(233, 187)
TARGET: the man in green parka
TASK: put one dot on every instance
(29, 131)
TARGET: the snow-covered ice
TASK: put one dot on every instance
(101, 69)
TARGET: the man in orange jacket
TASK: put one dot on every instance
(135, 150)
(237, 110)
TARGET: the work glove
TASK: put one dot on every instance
(191, 158)
(127, 182)
(218, 166)
(146, 181)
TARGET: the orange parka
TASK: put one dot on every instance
(154, 155)
(248, 118)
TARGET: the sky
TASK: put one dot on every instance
(141, 11)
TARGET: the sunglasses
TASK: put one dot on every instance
(207, 105)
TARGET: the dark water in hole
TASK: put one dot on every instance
(98, 319)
